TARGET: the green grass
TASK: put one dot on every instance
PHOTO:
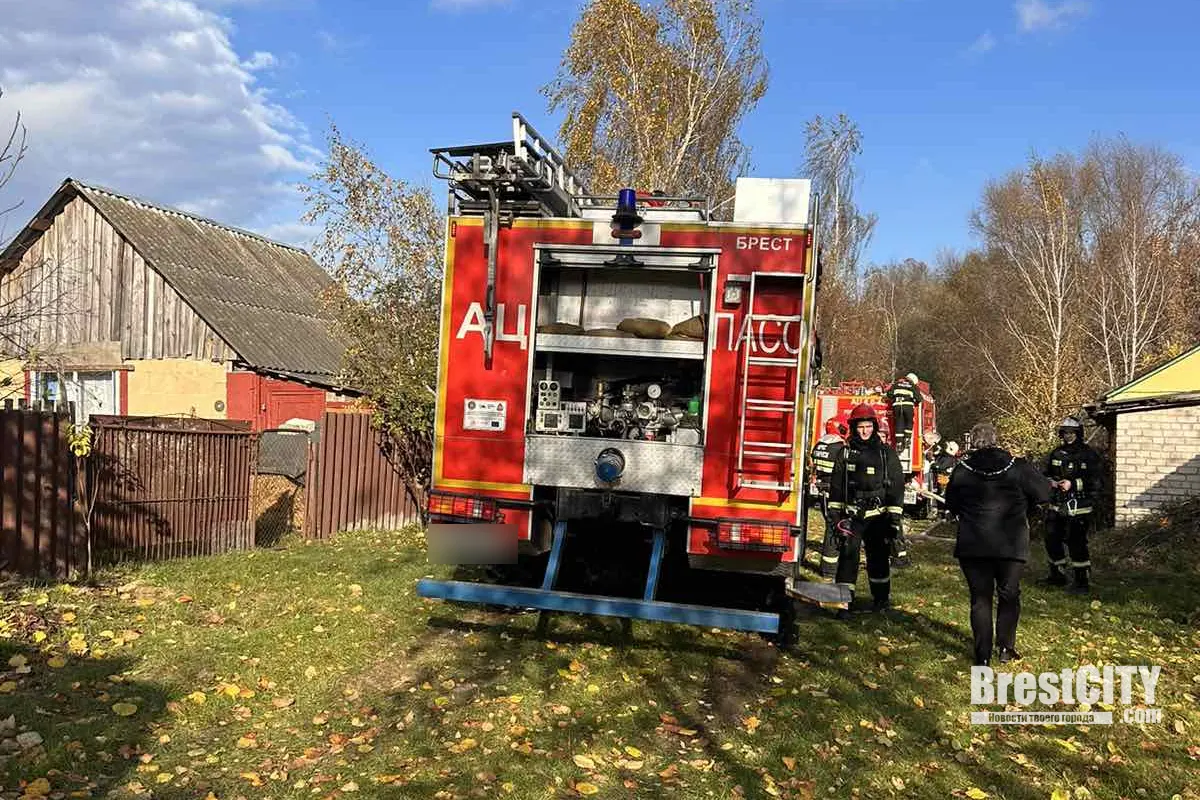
(313, 670)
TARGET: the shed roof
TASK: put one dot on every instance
(1173, 383)
(260, 296)
(1179, 375)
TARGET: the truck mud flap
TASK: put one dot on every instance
(547, 598)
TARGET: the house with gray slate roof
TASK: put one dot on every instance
(137, 309)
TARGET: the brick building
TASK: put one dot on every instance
(1154, 424)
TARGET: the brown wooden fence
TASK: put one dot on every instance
(351, 482)
(166, 488)
(41, 529)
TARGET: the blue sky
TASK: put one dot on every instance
(947, 93)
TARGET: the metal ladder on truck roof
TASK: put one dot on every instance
(526, 176)
(790, 366)
(502, 180)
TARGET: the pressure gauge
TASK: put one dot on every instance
(654, 391)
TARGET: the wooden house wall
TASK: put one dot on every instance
(81, 281)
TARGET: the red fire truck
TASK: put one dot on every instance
(838, 401)
(625, 367)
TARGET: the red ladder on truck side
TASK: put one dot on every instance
(783, 450)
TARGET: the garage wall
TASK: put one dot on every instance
(1158, 460)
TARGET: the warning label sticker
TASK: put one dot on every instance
(483, 415)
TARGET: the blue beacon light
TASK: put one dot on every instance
(626, 220)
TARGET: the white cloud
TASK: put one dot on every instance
(1036, 15)
(260, 60)
(148, 97)
(983, 44)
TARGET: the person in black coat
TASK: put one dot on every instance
(992, 492)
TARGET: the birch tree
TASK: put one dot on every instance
(830, 150)
(1034, 221)
(382, 240)
(653, 93)
(1141, 213)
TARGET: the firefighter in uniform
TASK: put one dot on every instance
(866, 492)
(824, 455)
(1075, 472)
(943, 465)
(904, 394)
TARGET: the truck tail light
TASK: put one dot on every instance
(464, 507)
(751, 535)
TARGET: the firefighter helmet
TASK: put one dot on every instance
(952, 448)
(912, 377)
(835, 426)
(1070, 425)
(864, 412)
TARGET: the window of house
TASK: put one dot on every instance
(91, 392)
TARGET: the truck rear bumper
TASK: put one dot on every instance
(547, 598)
(599, 605)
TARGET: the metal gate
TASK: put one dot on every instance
(170, 487)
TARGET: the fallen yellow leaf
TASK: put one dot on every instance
(246, 743)
(17, 661)
(583, 762)
(8, 687)
(976, 794)
(790, 763)
(750, 722)
(37, 788)
(633, 752)
(68, 616)
(197, 697)
(39, 637)
(56, 662)
(586, 788)
(283, 702)
(124, 709)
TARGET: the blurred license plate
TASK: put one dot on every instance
(472, 543)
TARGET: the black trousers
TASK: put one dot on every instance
(903, 416)
(1069, 534)
(874, 536)
(988, 577)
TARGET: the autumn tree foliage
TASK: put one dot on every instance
(1080, 281)
(653, 93)
(382, 240)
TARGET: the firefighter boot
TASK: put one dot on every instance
(1056, 576)
(1081, 585)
